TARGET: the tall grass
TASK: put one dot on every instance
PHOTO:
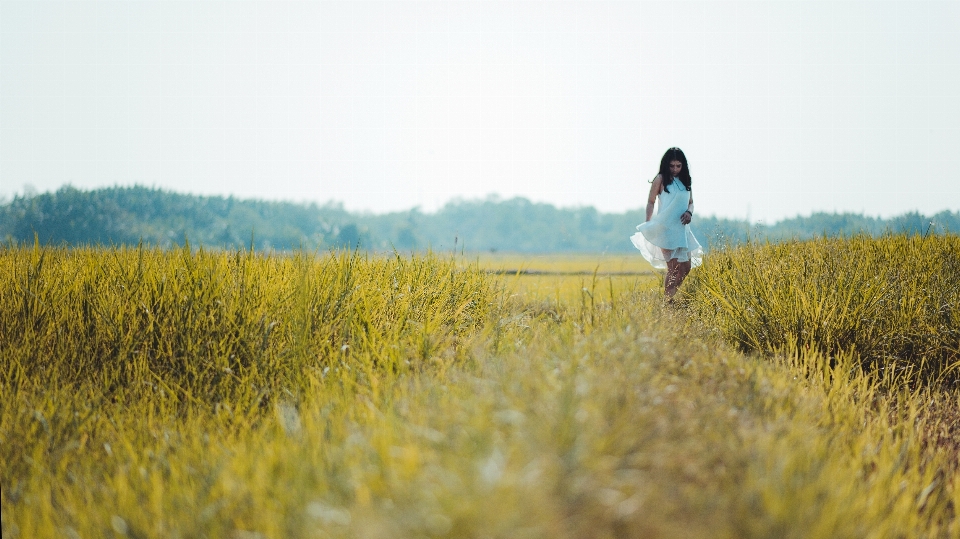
(894, 301)
(178, 394)
(228, 326)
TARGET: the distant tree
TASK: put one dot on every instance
(348, 237)
(127, 215)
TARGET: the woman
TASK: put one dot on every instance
(665, 239)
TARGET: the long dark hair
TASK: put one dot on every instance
(674, 154)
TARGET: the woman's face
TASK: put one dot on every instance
(675, 168)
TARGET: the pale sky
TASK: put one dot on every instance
(782, 107)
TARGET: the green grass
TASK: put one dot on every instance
(177, 394)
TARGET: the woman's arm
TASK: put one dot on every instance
(655, 189)
(687, 216)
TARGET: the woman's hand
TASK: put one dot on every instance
(687, 216)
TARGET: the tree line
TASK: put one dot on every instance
(133, 215)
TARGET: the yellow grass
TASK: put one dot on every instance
(177, 394)
(563, 263)
(894, 301)
(555, 279)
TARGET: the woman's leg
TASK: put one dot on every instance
(683, 269)
(671, 281)
(676, 273)
(668, 256)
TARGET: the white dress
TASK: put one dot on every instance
(664, 237)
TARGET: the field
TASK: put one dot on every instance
(791, 392)
(568, 278)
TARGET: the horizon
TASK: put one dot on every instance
(491, 197)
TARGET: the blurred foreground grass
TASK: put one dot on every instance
(177, 394)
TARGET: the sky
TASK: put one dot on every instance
(783, 108)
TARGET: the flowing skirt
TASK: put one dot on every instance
(657, 256)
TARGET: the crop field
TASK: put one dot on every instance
(568, 278)
(804, 389)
